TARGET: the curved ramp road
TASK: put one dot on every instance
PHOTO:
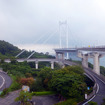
(5, 81)
(100, 94)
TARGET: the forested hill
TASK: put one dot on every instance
(8, 50)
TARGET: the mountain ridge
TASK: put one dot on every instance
(8, 50)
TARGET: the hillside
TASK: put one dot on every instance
(8, 50)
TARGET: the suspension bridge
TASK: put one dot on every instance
(95, 52)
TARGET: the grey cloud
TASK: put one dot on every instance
(25, 21)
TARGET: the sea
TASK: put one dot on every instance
(73, 56)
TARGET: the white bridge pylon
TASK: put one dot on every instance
(64, 26)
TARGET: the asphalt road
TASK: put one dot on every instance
(101, 90)
(1, 81)
(7, 80)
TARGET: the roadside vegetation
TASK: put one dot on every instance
(69, 83)
(92, 103)
(24, 98)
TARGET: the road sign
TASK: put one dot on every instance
(25, 88)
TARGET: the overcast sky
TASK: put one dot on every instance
(34, 24)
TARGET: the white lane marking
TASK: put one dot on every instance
(3, 81)
(89, 100)
(97, 88)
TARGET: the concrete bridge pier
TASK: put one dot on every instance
(36, 64)
(85, 61)
(63, 56)
(96, 65)
(60, 57)
(52, 65)
(57, 55)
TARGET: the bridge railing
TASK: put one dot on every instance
(102, 77)
(93, 92)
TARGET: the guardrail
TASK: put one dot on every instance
(102, 77)
(93, 93)
(94, 87)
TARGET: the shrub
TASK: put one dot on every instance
(37, 85)
(92, 103)
(103, 101)
(24, 98)
(28, 75)
(68, 102)
(15, 86)
(5, 92)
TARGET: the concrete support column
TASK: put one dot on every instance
(57, 56)
(36, 64)
(52, 65)
(96, 65)
(62, 56)
(67, 55)
(79, 54)
(85, 61)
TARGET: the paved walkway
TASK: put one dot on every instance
(9, 99)
(38, 100)
(45, 100)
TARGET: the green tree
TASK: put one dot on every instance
(24, 98)
(45, 74)
(37, 85)
(13, 61)
(28, 75)
(69, 82)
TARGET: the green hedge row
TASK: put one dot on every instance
(43, 93)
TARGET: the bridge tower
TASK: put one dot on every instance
(63, 33)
